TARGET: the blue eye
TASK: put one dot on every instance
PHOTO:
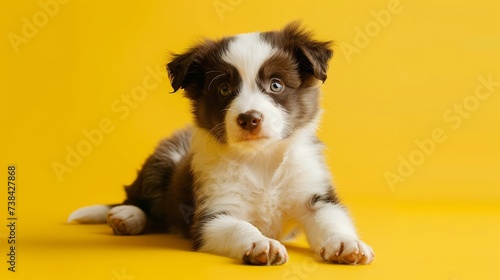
(224, 90)
(276, 86)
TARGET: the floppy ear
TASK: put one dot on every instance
(184, 70)
(313, 56)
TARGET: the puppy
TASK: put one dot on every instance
(250, 171)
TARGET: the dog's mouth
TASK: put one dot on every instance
(252, 138)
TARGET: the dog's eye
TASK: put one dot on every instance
(224, 90)
(276, 86)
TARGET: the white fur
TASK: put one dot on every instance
(236, 238)
(175, 156)
(273, 117)
(124, 219)
(127, 220)
(247, 52)
(95, 214)
(263, 194)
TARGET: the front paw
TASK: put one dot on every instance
(346, 250)
(265, 252)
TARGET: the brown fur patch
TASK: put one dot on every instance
(300, 98)
(149, 189)
(311, 55)
(202, 72)
(329, 197)
(200, 220)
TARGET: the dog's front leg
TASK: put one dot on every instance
(227, 236)
(332, 236)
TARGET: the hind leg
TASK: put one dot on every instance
(127, 220)
(145, 208)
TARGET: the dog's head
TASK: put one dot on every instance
(254, 88)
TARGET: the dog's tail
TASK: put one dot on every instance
(94, 214)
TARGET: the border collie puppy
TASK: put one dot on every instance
(250, 172)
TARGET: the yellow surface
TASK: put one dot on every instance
(391, 111)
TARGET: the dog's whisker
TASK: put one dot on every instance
(227, 110)
(216, 77)
(215, 131)
(214, 71)
(311, 133)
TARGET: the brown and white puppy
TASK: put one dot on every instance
(251, 168)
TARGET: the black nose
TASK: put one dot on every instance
(250, 120)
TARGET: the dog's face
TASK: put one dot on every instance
(254, 88)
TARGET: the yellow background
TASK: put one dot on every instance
(83, 57)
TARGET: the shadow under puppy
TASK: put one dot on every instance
(251, 166)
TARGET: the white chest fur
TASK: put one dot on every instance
(269, 188)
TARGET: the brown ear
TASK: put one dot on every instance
(183, 69)
(313, 56)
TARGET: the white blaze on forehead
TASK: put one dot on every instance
(247, 52)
